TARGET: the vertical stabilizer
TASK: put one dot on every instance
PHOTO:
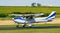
(51, 16)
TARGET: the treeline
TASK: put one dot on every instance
(9, 15)
(2, 15)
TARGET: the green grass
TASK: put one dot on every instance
(47, 24)
(12, 29)
(23, 9)
(5, 18)
(33, 24)
(9, 9)
(51, 30)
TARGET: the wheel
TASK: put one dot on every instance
(24, 25)
(17, 26)
(31, 25)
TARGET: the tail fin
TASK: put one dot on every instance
(51, 16)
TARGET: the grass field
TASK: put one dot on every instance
(9, 9)
(12, 29)
(23, 9)
(49, 30)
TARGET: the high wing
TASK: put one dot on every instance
(28, 14)
(16, 15)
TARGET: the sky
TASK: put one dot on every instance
(29, 2)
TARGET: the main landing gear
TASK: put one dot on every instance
(23, 25)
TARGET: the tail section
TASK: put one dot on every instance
(51, 16)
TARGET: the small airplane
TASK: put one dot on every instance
(31, 19)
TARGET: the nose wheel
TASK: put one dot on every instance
(24, 25)
(17, 26)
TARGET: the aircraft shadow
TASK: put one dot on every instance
(34, 27)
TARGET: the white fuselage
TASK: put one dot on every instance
(34, 20)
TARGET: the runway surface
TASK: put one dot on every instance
(34, 27)
(42, 27)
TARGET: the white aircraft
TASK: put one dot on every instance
(31, 19)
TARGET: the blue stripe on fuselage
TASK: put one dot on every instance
(21, 18)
